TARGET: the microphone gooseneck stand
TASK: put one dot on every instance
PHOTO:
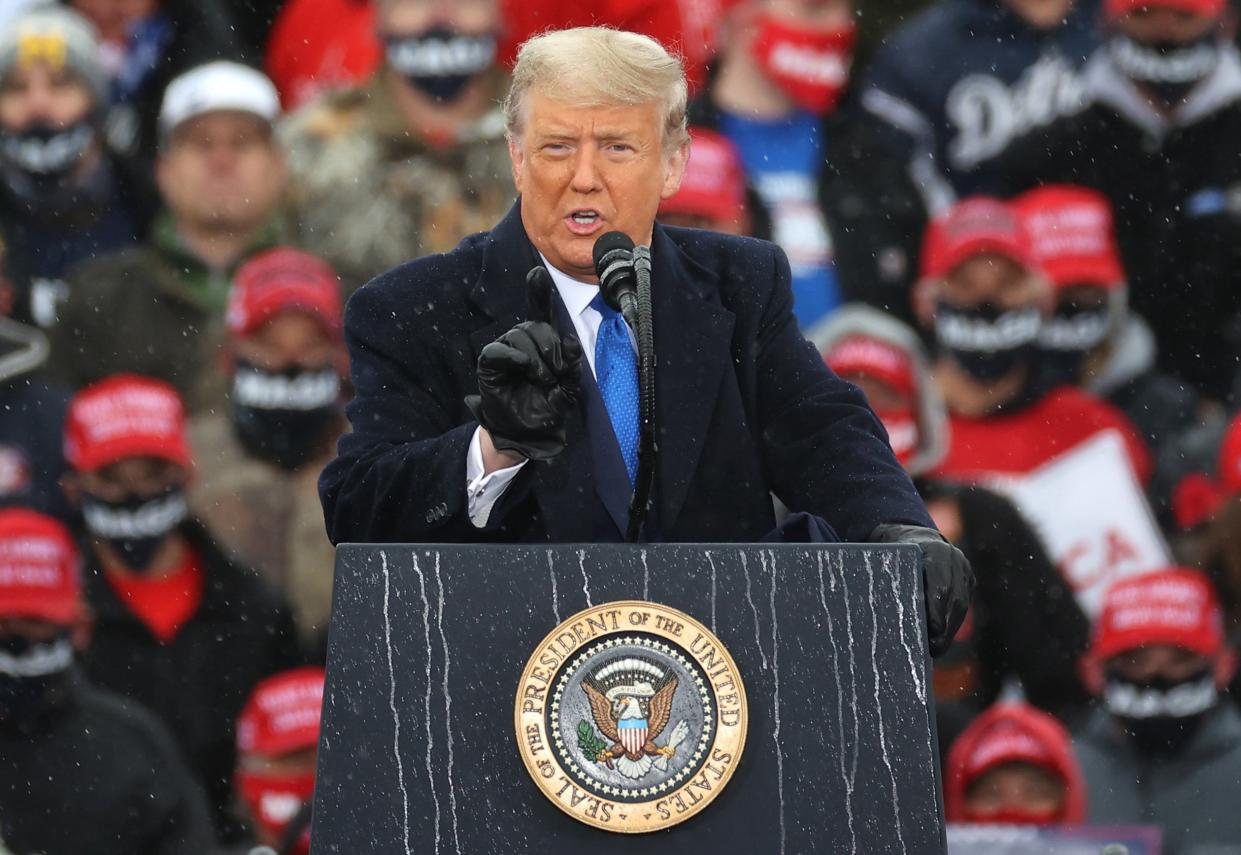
(647, 449)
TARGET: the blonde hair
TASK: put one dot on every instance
(596, 67)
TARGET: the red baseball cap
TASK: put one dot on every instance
(125, 416)
(40, 574)
(280, 279)
(860, 354)
(282, 714)
(1176, 606)
(1071, 235)
(714, 181)
(1229, 475)
(1113, 9)
(971, 227)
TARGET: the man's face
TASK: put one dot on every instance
(291, 340)
(409, 17)
(112, 18)
(222, 171)
(133, 476)
(989, 278)
(1151, 25)
(1174, 664)
(1015, 787)
(41, 94)
(586, 171)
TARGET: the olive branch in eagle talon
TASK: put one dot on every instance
(631, 703)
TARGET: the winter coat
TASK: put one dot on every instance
(103, 778)
(958, 82)
(1191, 795)
(198, 682)
(1175, 186)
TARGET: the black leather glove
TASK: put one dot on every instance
(529, 380)
(947, 577)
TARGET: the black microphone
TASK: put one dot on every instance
(613, 255)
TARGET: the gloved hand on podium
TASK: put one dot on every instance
(947, 577)
(529, 380)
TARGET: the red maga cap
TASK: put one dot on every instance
(1177, 606)
(1113, 9)
(1071, 235)
(714, 182)
(281, 279)
(40, 574)
(972, 227)
(282, 714)
(860, 354)
(125, 416)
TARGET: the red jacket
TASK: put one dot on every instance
(1013, 732)
(1020, 442)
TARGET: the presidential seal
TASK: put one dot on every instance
(631, 716)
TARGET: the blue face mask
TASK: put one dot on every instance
(441, 61)
(43, 152)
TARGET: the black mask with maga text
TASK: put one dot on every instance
(1161, 715)
(284, 417)
(1167, 70)
(45, 153)
(986, 341)
(135, 526)
(35, 680)
(441, 61)
(1070, 335)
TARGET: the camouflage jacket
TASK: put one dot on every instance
(366, 194)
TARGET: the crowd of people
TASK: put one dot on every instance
(1016, 226)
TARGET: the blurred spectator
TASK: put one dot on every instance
(1157, 140)
(1024, 623)
(64, 194)
(320, 45)
(985, 303)
(32, 414)
(259, 463)
(1092, 337)
(832, 202)
(147, 43)
(178, 626)
(957, 83)
(1014, 765)
(1162, 749)
(158, 309)
(1213, 503)
(413, 161)
(713, 193)
(83, 770)
(277, 748)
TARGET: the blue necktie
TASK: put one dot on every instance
(616, 375)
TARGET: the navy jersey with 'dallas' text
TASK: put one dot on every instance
(962, 79)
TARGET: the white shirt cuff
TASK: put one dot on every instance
(483, 490)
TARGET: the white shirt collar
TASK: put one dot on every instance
(575, 294)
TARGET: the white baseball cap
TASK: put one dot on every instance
(215, 87)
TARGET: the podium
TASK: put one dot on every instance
(427, 647)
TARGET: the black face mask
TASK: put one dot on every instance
(1070, 335)
(35, 680)
(441, 61)
(136, 526)
(45, 153)
(986, 341)
(1167, 70)
(1160, 715)
(284, 418)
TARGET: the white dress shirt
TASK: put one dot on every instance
(484, 490)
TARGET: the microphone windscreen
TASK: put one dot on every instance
(607, 243)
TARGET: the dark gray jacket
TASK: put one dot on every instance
(1192, 795)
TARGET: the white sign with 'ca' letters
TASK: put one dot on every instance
(1091, 513)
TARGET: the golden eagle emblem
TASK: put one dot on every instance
(631, 704)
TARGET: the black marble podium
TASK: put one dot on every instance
(427, 644)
